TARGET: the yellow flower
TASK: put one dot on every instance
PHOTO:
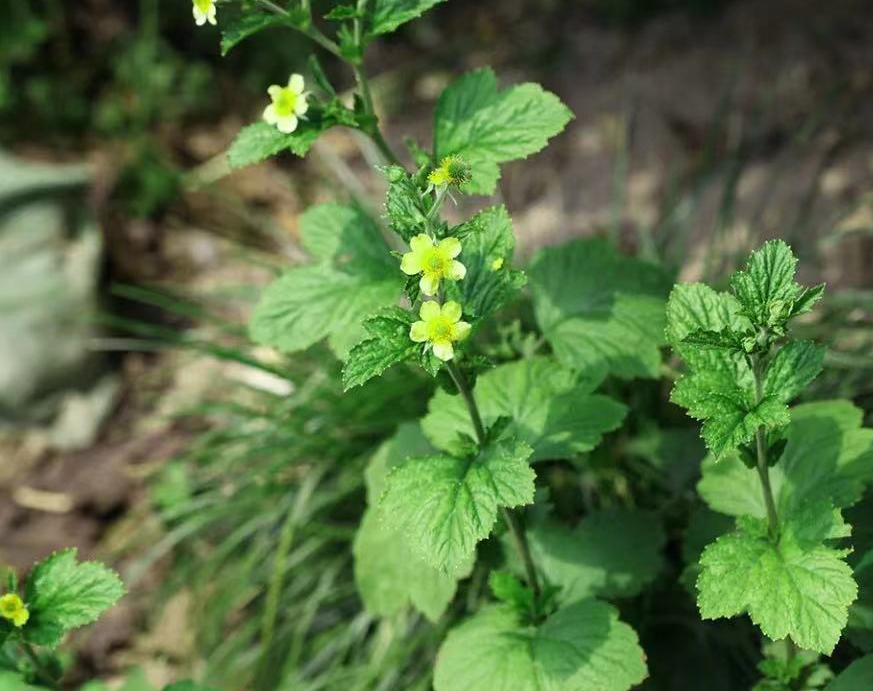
(452, 170)
(435, 261)
(204, 11)
(440, 327)
(13, 609)
(497, 264)
(288, 106)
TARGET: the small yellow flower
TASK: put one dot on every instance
(452, 170)
(204, 11)
(497, 264)
(288, 106)
(440, 327)
(434, 261)
(13, 609)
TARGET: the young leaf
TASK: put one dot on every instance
(829, 457)
(730, 414)
(795, 365)
(490, 282)
(552, 409)
(387, 15)
(798, 587)
(598, 308)
(445, 505)
(405, 208)
(390, 576)
(856, 677)
(610, 554)
(582, 647)
(767, 289)
(259, 141)
(389, 346)
(488, 127)
(353, 277)
(63, 594)
(248, 24)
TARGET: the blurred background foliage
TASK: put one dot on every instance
(227, 482)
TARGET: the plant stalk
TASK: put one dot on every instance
(512, 520)
(762, 465)
(311, 31)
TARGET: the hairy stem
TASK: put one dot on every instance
(763, 466)
(512, 520)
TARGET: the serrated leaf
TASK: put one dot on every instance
(354, 277)
(552, 409)
(829, 457)
(766, 288)
(445, 505)
(405, 208)
(599, 309)
(248, 24)
(730, 414)
(487, 288)
(795, 365)
(798, 587)
(488, 127)
(694, 308)
(258, 141)
(856, 677)
(390, 576)
(583, 647)
(390, 345)
(63, 594)
(408, 442)
(609, 553)
(387, 15)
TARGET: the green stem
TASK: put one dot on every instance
(310, 30)
(512, 520)
(38, 666)
(763, 466)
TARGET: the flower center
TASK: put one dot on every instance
(440, 330)
(434, 262)
(203, 5)
(285, 102)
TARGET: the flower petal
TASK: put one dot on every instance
(410, 264)
(418, 332)
(429, 310)
(275, 90)
(452, 310)
(444, 350)
(429, 283)
(302, 105)
(451, 246)
(287, 124)
(461, 331)
(210, 15)
(457, 271)
(270, 114)
(420, 243)
(296, 84)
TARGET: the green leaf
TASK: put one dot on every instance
(235, 31)
(445, 505)
(856, 677)
(798, 587)
(390, 576)
(188, 686)
(600, 309)
(509, 590)
(12, 681)
(486, 289)
(407, 442)
(694, 308)
(767, 289)
(63, 594)
(609, 553)
(404, 205)
(488, 127)
(387, 15)
(583, 647)
(829, 457)
(730, 414)
(389, 346)
(259, 141)
(792, 369)
(552, 409)
(354, 276)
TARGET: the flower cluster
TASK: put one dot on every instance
(13, 609)
(204, 11)
(288, 106)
